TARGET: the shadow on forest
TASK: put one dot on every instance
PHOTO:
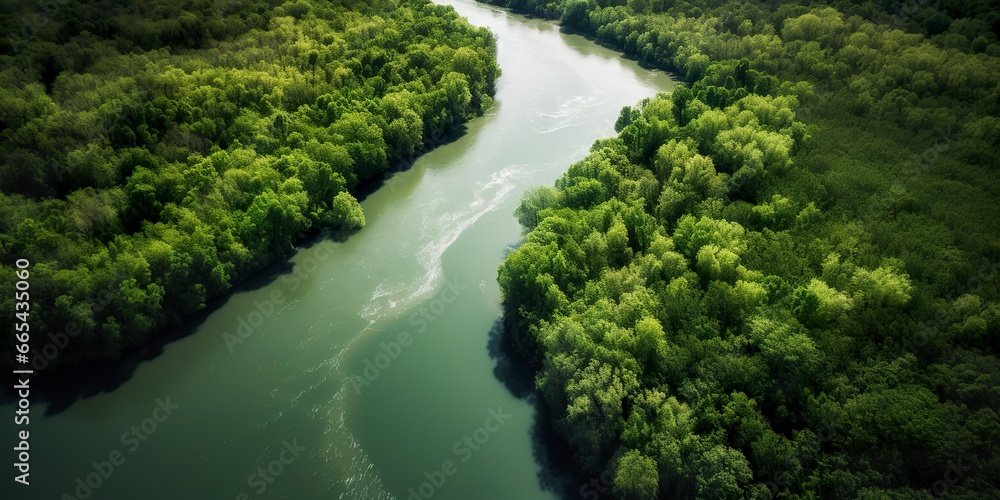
(62, 386)
(558, 472)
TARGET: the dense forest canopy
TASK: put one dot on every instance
(781, 279)
(153, 154)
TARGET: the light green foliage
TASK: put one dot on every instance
(717, 264)
(617, 244)
(277, 217)
(650, 343)
(662, 428)
(694, 233)
(882, 286)
(635, 477)
(821, 303)
(346, 212)
(671, 155)
(779, 213)
(774, 112)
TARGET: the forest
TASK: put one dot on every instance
(154, 154)
(780, 280)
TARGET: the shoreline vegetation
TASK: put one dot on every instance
(779, 280)
(154, 155)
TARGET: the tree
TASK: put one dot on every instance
(819, 303)
(617, 240)
(717, 264)
(278, 218)
(722, 473)
(575, 15)
(692, 234)
(363, 140)
(457, 96)
(635, 477)
(882, 287)
(347, 212)
(405, 126)
(533, 201)
(594, 414)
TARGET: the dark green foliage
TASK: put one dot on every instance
(153, 154)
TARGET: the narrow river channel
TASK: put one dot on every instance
(357, 369)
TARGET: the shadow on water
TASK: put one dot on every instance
(642, 62)
(403, 164)
(62, 386)
(558, 472)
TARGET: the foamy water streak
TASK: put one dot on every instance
(450, 226)
(438, 231)
(570, 113)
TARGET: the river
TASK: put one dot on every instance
(356, 368)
